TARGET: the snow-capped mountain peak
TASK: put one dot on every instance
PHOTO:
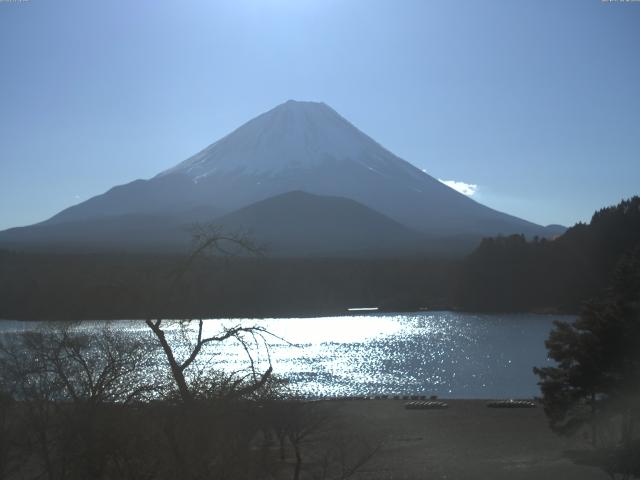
(294, 135)
(308, 147)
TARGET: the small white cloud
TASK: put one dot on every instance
(465, 188)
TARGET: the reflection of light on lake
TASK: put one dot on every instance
(443, 353)
(314, 331)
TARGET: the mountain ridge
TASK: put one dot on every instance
(298, 222)
(302, 146)
(291, 224)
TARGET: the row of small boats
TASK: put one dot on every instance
(422, 402)
(431, 405)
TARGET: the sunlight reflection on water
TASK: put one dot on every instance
(447, 354)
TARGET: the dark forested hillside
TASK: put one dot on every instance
(502, 274)
(513, 274)
(76, 286)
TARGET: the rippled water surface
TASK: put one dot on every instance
(441, 353)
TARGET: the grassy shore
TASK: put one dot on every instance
(467, 440)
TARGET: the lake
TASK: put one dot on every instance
(449, 354)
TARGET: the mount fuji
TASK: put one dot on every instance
(303, 147)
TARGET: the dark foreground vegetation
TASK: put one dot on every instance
(96, 404)
(504, 274)
(102, 405)
(594, 388)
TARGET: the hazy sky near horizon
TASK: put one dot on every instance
(532, 106)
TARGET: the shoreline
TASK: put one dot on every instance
(288, 315)
(467, 440)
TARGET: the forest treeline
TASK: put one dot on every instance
(111, 286)
(513, 274)
(504, 274)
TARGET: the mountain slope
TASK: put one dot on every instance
(297, 146)
(141, 232)
(291, 224)
(304, 146)
(298, 223)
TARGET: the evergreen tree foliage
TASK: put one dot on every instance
(596, 382)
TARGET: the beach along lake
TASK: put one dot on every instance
(448, 354)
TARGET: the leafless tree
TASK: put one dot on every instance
(345, 456)
(96, 403)
(178, 367)
(210, 239)
(10, 458)
(67, 385)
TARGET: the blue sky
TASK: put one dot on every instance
(536, 103)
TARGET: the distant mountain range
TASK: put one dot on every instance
(299, 179)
